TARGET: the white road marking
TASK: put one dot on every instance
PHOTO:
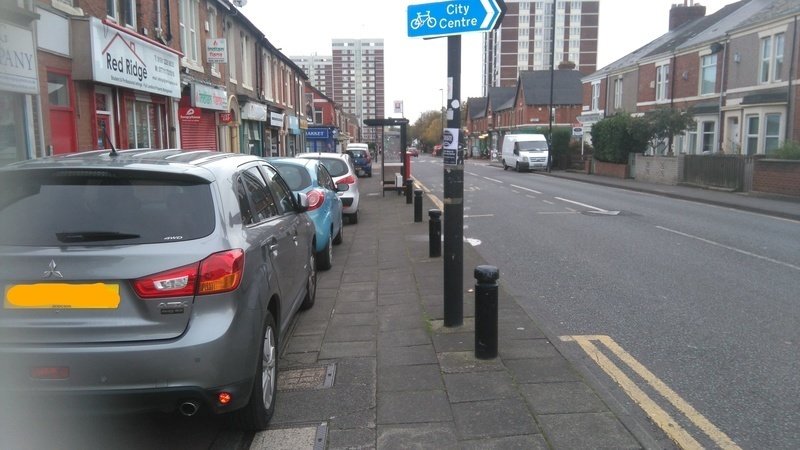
(548, 202)
(492, 179)
(580, 204)
(473, 174)
(526, 189)
(530, 196)
(728, 247)
(478, 215)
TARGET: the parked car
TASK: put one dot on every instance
(150, 280)
(362, 160)
(341, 168)
(310, 177)
(412, 151)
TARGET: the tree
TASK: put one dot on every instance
(428, 129)
(665, 124)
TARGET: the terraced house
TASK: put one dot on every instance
(735, 71)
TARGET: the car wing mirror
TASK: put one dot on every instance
(342, 187)
(302, 202)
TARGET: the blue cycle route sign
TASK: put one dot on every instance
(452, 17)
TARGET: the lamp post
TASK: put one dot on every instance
(442, 108)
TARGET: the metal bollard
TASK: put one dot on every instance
(435, 232)
(417, 205)
(486, 311)
(409, 190)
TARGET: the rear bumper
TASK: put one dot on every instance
(218, 352)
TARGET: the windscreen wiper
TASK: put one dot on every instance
(93, 236)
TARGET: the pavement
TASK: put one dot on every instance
(371, 365)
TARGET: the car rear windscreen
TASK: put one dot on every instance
(101, 207)
(296, 176)
(336, 167)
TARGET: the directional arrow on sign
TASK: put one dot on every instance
(454, 17)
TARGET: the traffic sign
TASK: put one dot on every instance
(454, 17)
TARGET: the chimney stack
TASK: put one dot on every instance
(682, 14)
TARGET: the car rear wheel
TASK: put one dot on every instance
(325, 257)
(256, 415)
(505, 166)
(353, 218)
(311, 284)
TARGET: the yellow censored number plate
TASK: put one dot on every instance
(62, 296)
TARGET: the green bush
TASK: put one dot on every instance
(616, 136)
(789, 150)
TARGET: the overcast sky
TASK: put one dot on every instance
(417, 68)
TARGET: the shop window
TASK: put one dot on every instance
(145, 124)
(12, 139)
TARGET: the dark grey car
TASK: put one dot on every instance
(150, 280)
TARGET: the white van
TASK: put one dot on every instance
(525, 152)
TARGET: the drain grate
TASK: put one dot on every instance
(307, 378)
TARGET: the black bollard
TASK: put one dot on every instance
(409, 190)
(435, 232)
(486, 312)
(417, 205)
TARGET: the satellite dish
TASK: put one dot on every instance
(240, 3)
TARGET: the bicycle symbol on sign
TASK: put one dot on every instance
(421, 19)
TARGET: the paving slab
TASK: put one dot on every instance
(426, 377)
(542, 370)
(470, 387)
(493, 418)
(413, 407)
(440, 436)
(562, 398)
(586, 431)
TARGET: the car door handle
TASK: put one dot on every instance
(273, 245)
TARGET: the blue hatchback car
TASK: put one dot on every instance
(310, 177)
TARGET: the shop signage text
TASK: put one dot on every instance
(317, 133)
(209, 97)
(189, 115)
(225, 117)
(18, 71)
(122, 59)
(216, 51)
(275, 119)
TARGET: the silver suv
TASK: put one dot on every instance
(150, 280)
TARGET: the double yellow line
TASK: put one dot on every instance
(657, 414)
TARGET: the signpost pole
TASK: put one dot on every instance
(454, 196)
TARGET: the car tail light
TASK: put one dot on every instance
(349, 179)
(315, 199)
(220, 272)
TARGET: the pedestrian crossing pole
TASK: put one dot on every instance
(453, 192)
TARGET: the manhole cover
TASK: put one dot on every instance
(307, 378)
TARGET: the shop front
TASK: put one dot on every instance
(274, 132)
(293, 136)
(197, 116)
(134, 82)
(19, 84)
(321, 139)
(254, 117)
